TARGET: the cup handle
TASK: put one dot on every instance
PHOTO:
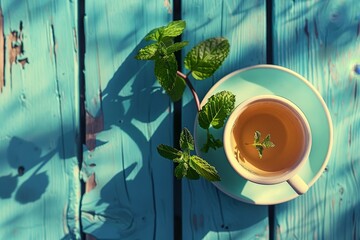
(298, 184)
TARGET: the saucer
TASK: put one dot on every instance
(270, 80)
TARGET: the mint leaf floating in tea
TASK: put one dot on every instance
(214, 113)
(261, 145)
(189, 166)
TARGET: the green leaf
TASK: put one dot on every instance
(267, 143)
(165, 72)
(165, 43)
(204, 169)
(149, 52)
(181, 170)
(186, 140)
(155, 34)
(257, 136)
(177, 92)
(169, 152)
(216, 110)
(211, 142)
(205, 58)
(192, 174)
(174, 28)
(260, 149)
(176, 47)
(260, 146)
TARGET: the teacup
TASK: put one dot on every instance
(289, 130)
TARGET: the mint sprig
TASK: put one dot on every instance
(190, 166)
(261, 145)
(202, 61)
(162, 50)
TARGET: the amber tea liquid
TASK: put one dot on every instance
(286, 130)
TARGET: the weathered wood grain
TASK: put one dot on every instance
(129, 186)
(39, 173)
(2, 52)
(207, 212)
(320, 40)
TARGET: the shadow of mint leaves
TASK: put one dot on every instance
(8, 185)
(32, 189)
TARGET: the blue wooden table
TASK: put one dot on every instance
(81, 119)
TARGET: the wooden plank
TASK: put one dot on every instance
(128, 185)
(207, 212)
(321, 41)
(2, 53)
(39, 173)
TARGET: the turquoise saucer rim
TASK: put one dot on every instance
(259, 80)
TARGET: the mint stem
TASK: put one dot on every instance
(191, 87)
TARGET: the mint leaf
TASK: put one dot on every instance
(176, 47)
(181, 170)
(186, 140)
(267, 143)
(192, 174)
(260, 149)
(169, 152)
(205, 58)
(173, 29)
(214, 113)
(149, 52)
(257, 136)
(211, 142)
(165, 71)
(204, 169)
(155, 34)
(216, 110)
(177, 91)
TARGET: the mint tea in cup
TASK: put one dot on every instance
(267, 140)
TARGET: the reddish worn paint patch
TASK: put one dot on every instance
(16, 47)
(90, 183)
(2, 49)
(93, 126)
(167, 5)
